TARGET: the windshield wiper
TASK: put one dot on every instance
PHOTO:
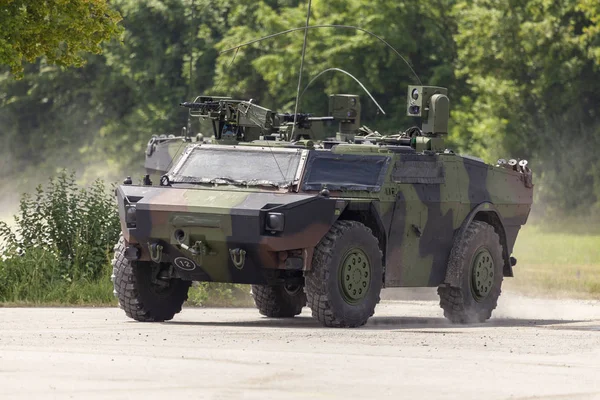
(263, 184)
(209, 181)
(230, 181)
(225, 179)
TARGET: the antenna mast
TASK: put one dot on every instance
(301, 69)
(192, 39)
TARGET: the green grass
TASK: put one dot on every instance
(32, 281)
(556, 264)
(29, 283)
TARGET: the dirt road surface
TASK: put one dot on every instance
(546, 349)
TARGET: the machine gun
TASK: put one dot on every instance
(229, 121)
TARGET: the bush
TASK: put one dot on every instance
(58, 249)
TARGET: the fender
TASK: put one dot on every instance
(369, 213)
(485, 212)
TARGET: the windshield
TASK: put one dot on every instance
(238, 166)
(345, 171)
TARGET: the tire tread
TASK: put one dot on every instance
(316, 279)
(126, 290)
(452, 298)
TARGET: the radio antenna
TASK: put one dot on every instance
(382, 40)
(348, 74)
(192, 39)
(301, 68)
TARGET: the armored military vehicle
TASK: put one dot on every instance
(325, 223)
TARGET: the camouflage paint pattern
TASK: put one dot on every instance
(421, 204)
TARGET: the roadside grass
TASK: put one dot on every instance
(29, 282)
(555, 264)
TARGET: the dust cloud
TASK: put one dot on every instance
(515, 306)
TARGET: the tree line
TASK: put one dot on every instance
(522, 78)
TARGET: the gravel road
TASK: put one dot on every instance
(532, 349)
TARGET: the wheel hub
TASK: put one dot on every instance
(355, 276)
(482, 275)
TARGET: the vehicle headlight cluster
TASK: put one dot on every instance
(131, 215)
(275, 222)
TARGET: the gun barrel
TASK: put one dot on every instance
(199, 105)
(320, 119)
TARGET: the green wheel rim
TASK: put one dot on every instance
(355, 276)
(482, 274)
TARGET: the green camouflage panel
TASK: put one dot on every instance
(224, 221)
(415, 204)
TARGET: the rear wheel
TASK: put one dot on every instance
(344, 284)
(279, 301)
(478, 257)
(142, 294)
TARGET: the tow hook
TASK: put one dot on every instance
(156, 251)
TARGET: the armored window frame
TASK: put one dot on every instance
(418, 168)
(269, 154)
(341, 167)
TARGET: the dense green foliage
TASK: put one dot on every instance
(56, 29)
(522, 77)
(58, 248)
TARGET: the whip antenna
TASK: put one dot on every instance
(351, 76)
(192, 38)
(301, 68)
(356, 28)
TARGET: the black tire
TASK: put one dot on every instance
(324, 287)
(465, 304)
(279, 301)
(139, 297)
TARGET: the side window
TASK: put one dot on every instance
(345, 171)
(417, 168)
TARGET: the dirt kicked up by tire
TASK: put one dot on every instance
(478, 257)
(141, 294)
(344, 284)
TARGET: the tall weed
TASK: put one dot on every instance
(58, 250)
(60, 241)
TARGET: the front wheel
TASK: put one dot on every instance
(477, 255)
(142, 294)
(345, 281)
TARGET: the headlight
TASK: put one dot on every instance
(275, 222)
(130, 215)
